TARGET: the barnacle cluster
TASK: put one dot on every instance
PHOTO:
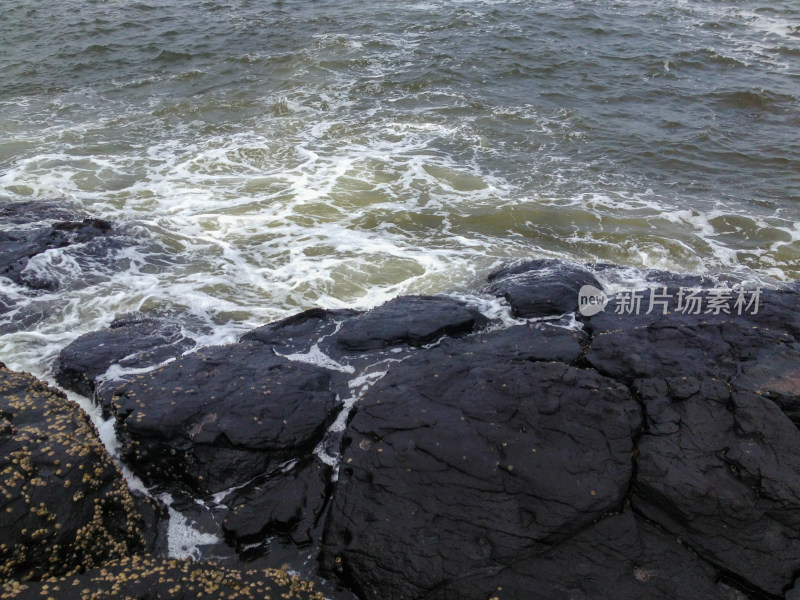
(64, 506)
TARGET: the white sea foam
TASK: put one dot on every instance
(315, 356)
(183, 539)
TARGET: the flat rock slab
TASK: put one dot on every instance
(720, 469)
(65, 506)
(409, 320)
(139, 577)
(530, 342)
(300, 332)
(458, 463)
(135, 341)
(628, 347)
(621, 556)
(222, 416)
(540, 288)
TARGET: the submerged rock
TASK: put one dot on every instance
(65, 505)
(18, 248)
(135, 341)
(138, 577)
(221, 416)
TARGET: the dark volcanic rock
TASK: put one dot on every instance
(222, 416)
(301, 331)
(720, 469)
(18, 247)
(704, 345)
(529, 342)
(145, 578)
(620, 557)
(775, 374)
(286, 504)
(134, 342)
(409, 320)
(65, 506)
(540, 288)
(458, 463)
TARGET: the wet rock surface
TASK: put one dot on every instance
(457, 463)
(540, 288)
(423, 450)
(409, 320)
(64, 505)
(23, 252)
(720, 469)
(288, 504)
(300, 332)
(622, 557)
(133, 342)
(222, 416)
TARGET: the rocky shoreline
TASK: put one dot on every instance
(424, 448)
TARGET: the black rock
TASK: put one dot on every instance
(65, 504)
(718, 468)
(18, 247)
(135, 341)
(145, 578)
(540, 288)
(409, 320)
(621, 557)
(776, 375)
(300, 332)
(703, 345)
(37, 211)
(619, 274)
(455, 463)
(222, 416)
(528, 342)
(287, 504)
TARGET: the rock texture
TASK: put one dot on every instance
(287, 504)
(720, 469)
(621, 557)
(540, 288)
(138, 578)
(457, 463)
(135, 341)
(64, 505)
(409, 320)
(222, 416)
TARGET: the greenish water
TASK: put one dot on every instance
(269, 157)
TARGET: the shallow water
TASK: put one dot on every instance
(270, 157)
